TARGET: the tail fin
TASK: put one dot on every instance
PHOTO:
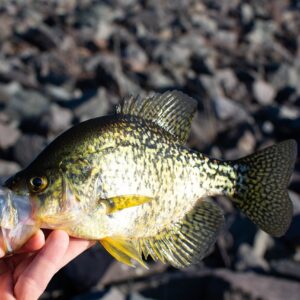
(261, 191)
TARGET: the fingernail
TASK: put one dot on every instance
(2, 253)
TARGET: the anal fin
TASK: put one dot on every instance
(188, 240)
(123, 250)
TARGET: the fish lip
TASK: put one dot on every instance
(16, 220)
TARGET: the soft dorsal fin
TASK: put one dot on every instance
(183, 243)
(172, 111)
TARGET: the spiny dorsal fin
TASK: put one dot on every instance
(184, 243)
(172, 111)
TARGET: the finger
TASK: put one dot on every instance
(2, 245)
(34, 280)
(76, 247)
(36, 242)
(6, 286)
(2, 252)
(24, 261)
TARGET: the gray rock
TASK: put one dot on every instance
(227, 80)
(256, 286)
(262, 33)
(156, 79)
(286, 75)
(135, 57)
(27, 148)
(7, 169)
(246, 143)
(27, 104)
(211, 86)
(263, 92)
(95, 107)
(8, 136)
(286, 267)
(172, 55)
(56, 119)
(227, 109)
(8, 90)
(296, 202)
(58, 93)
(248, 260)
(114, 294)
(247, 13)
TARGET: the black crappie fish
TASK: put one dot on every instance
(129, 181)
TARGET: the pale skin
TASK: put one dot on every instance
(26, 275)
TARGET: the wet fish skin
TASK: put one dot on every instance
(129, 181)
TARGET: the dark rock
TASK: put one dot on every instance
(220, 284)
(83, 273)
(109, 74)
(43, 37)
(27, 148)
(201, 65)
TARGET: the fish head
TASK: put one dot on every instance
(45, 189)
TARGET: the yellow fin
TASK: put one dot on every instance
(188, 240)
(123, 250)
(171, 110)
(121, 202)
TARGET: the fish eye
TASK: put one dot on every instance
(38, 184)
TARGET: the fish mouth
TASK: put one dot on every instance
(16, 223)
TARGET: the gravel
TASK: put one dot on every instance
(62, 62)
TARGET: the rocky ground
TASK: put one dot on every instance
(62, 62)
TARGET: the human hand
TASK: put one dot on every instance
(26, 275)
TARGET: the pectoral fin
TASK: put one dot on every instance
(121, 202)
(123, 250)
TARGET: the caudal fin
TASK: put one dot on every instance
(261, 191)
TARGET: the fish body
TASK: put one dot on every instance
(129, 181)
